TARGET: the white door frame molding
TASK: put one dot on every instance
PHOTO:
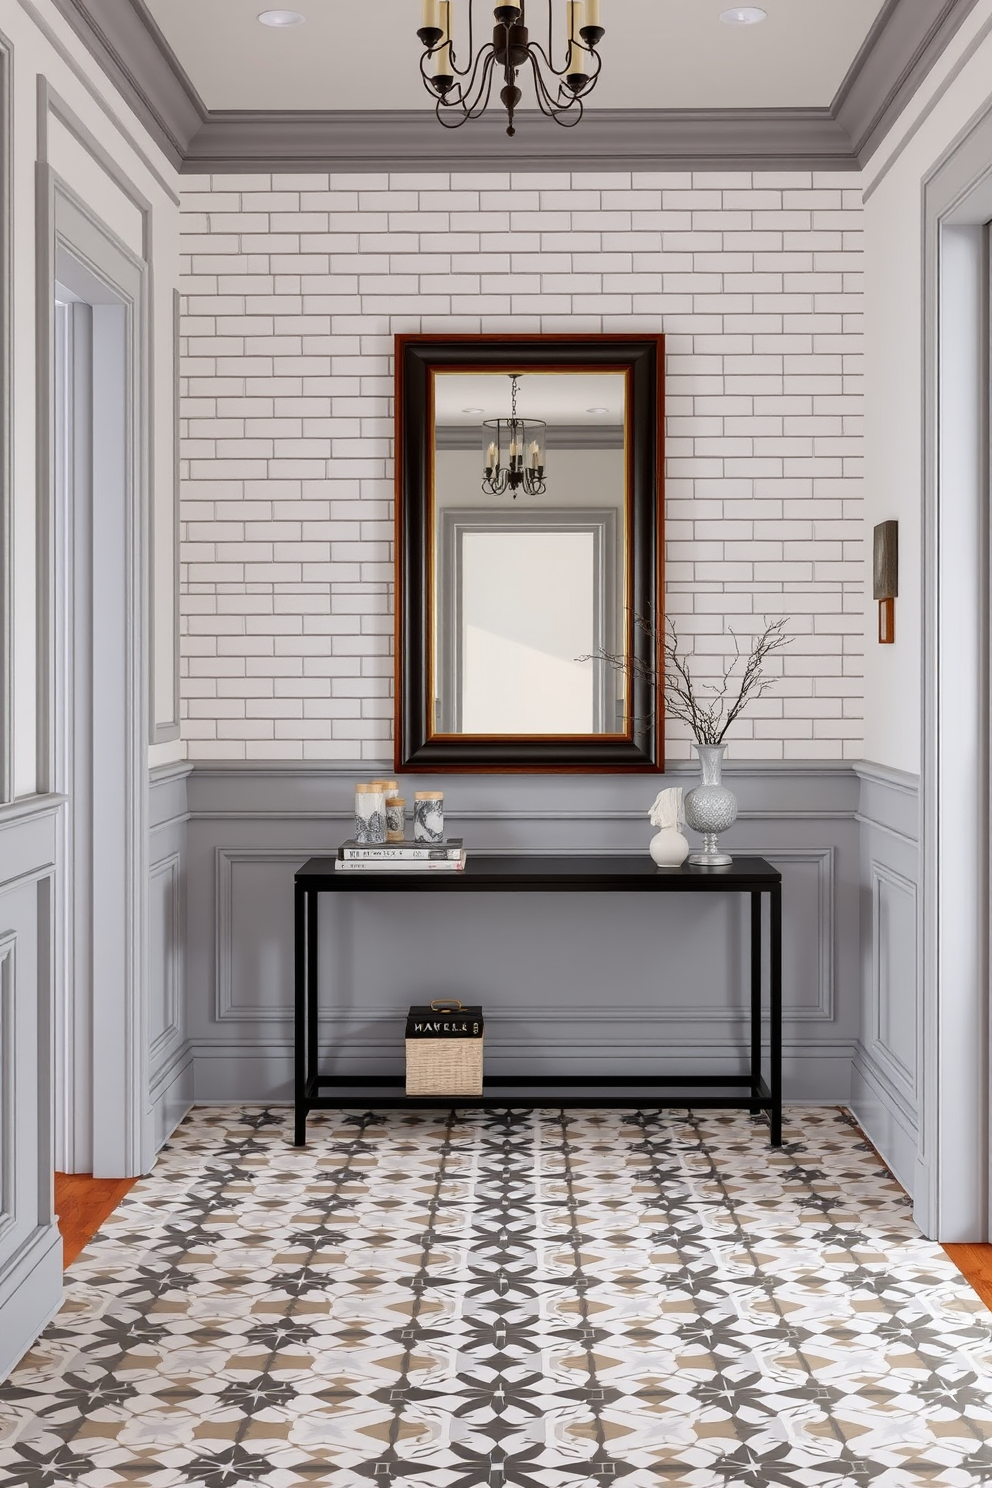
(952, 1190)
(105, 1118)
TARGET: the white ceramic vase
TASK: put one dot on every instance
(668, 847)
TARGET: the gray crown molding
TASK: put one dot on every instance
(559, 436)
(905, 41)
(612, 139)
(124, 39)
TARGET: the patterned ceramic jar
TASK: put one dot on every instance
(370, 813)
(395, 819)
(428, 816)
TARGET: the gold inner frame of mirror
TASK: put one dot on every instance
(625, 627)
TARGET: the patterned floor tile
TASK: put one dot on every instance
(508, 1300)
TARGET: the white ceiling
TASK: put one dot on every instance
(656, 53)
(556, 397)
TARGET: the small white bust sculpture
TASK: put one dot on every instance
(668, 847)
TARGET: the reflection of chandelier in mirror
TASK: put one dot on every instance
(513, 451)
(463, 93)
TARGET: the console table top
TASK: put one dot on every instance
(546, 872)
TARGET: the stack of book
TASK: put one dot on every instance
(392, 857)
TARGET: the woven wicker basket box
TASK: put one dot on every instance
(444, 1043)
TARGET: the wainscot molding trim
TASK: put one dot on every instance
(30, 808)
(905, 41)
(161, 776)
(901, 780)
(368, 769)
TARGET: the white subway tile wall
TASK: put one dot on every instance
(294, 288)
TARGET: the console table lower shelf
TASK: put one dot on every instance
(748, 1091)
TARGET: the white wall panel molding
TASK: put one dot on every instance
(6, 415)
(170, 1058)
(895, 928)
(30, 1245)
(886, 1083)
(165, 952)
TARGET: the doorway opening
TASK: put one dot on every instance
(98, 726)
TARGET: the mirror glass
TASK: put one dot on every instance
(529, 561)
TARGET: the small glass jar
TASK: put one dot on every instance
(370, 813)
(395, 819)
(428, 816)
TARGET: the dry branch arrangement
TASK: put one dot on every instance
(709, 718)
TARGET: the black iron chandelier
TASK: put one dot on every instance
(463, 93)
(513, 451)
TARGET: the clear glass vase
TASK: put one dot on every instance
(711, 808)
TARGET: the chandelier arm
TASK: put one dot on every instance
(545, 102)
(470, 108)
(550, 106)
(477, 106)
(567, 117)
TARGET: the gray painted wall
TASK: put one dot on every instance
(887, 1073)
(567, 983)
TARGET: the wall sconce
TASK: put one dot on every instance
(886, 579)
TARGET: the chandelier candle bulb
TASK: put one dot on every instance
(430, 15)
(444, 68)
(370, 813)
(592, 13)
(428, 816)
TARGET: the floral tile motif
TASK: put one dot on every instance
(538, 1299)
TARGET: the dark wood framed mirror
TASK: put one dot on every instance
(529, 526)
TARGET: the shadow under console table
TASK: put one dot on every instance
(600, 875)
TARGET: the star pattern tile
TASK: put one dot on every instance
(511, 1299)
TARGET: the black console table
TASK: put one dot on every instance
(599, 875)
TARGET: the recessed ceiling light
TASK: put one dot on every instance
(597, 410)
(473, 410)
(743, 15)
(281, 18)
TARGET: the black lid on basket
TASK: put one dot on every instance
(444, 1018)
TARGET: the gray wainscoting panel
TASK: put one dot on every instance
(885, 1093)
(170, 1058)
(30, 1247)
(568, 983)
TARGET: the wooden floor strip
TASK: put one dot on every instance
(82, 1203)
(975, 1264)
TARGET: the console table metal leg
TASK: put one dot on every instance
(313, 994)
(755, 995)
(300, 1025)
(775, 988)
